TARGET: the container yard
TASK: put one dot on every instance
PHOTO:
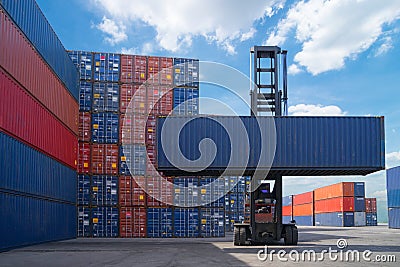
(108, 159)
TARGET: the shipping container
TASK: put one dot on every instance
(132, 222)
(338, 204)
(160, 191)
(166, 71)
(106, 67)
(286, 219)
(31, 21)
(371, 219)
(85, 126)
(359, 204)
(104, 159)
(359, 189)
(394, 218)
(21, 61)
(303, 209)
(354, 146)
(359, 219)
(159, 222)
(132, 130)
(186, 72)
(133, 160)
(212, 191)
(36, 125)
(83, 190)
(104, 222)
(27, 221)
(304, 220)
(339, 219)
(26, 170)
(287, 200)
(186, 101)
(85, 96)
(133, 69)
(130, 191)
(105, 128)
(84, 158)
(83, 222)
(159, 99)
(234, 201)
(186, 192)
(105, 97)
(137, 95)
(212, 222)
(153, 69)
(303, 198)
(232, 217)
(104, 190)
(344, 189)
(370, 205)
(393, 187)
(287, 210)
(186, 222)
(84, 62)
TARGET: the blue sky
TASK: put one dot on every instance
(344, 55)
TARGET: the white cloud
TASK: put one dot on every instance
(177, 22)
(315, 110)
(130, 51)
(115, 31)
(385, 47)
(332, 31)
(392, 159)
(380, 195)
(248, 35)
(294, 69)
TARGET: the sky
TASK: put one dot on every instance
(343, 55)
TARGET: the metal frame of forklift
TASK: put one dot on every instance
(267, 97)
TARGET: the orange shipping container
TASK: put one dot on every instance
(370, 205)
(345, 189)
(303, 198)
(287, 210)
(338, 204)
(303, 209)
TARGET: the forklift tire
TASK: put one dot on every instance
(291, 235)
(295, 236)
(242, 236)
(236, 236)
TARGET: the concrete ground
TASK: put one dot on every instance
(381, 241)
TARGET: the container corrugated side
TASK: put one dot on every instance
(340, 219)
(287, 210)
(394, 218)
(359, 189)
(338, 204)
(351, 145)
(30, 19)
(359, 204)
(303, 209)
(393, 187)
(26, 170)
(21, 61)
(344, 189)
(304, 220)
(27, 221)
(304, 198)
(83, 190)
(27, 120)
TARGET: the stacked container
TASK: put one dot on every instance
(371, 216)
(393, 194)
(38, 132)
(236, 207)
(303, 208)
(287, 209)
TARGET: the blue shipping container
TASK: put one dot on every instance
(132, 160)
(212, 192)
(234, 201)
(287, 201)
(27, 221)
(186, 222)
(371, 219)
(105, 128)
(393, 187)
(394, 218)
(106, 67)
(304, 220)
(286, 219)
(232, 217)
(104, 222)
(354, 146)
(105, 97)
(186, 72)
(104, 190)
(339, 219)
(85, 96)
(83, 189)
(30, 19)
(186, 101)
(188, 195)
(212, 222)
(27, 171)
(84, 222)
(159, 222)
(359, 204)
(359, 189)
(83, 61)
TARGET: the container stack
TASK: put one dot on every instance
(235, 209)
(287, 209)
(303, 208)
(371, 216)
(393, 194)
(38, 132)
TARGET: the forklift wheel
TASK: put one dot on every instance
(239, 236)
(236, 236)
(291, 235)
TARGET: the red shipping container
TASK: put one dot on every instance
(303, 198)
(166, 71)
(159, 99)
(370, 205)
(105, 159)
(303, 209)
(85, 130)
(338, 204)
(151, 153)
(127, 68)
(135, 92)
(132, 222)
(132, 130)
(140, 69)
(125, 191)
(151, 130)
(160, 191)
(153, 69)
(83, 157)
(21, 60)
(130, 191)
(345, 189)
(26, 119)
(287, 210)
